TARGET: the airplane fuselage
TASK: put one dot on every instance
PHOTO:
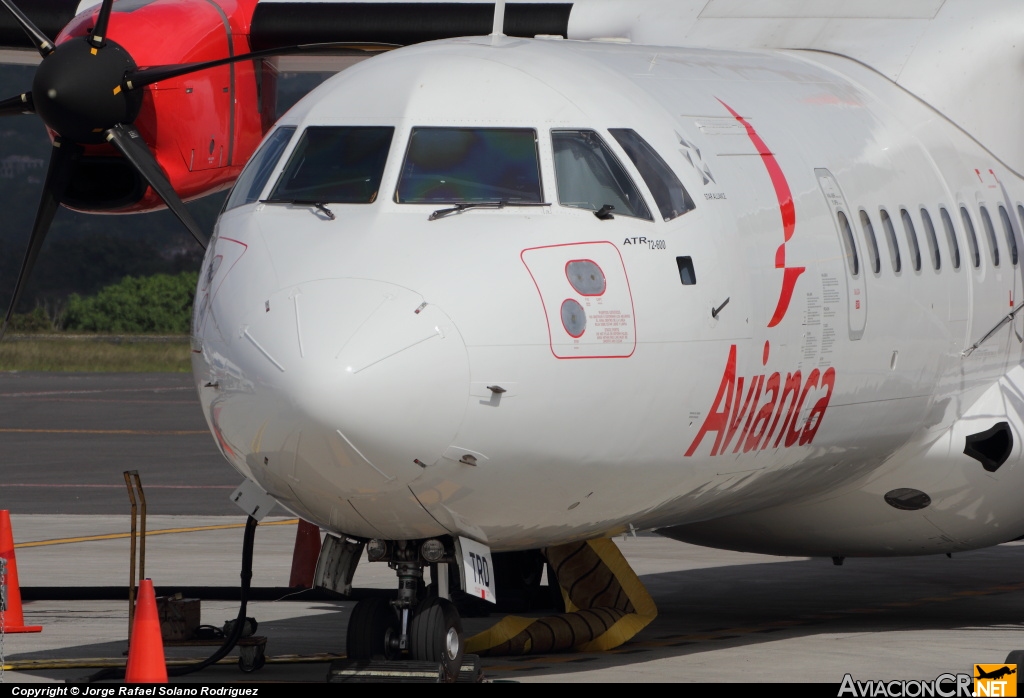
(753, 373)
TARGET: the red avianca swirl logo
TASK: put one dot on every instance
(788, 211)
(754, 410)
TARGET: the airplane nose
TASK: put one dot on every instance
(369, 378)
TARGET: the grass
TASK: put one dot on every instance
(95, 353)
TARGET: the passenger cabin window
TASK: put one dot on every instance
(869, 235)
(990, 233)
(669, 194)
(335, 164)
(255, 175)
(470, 165)
(932, 240)
(915, 249)
(972, 239)
(954, 246)
(849, 246)
(890, 238)
(590, 177)
(1011, 241)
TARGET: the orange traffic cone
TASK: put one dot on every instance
(146, 652)
(14, 621)
(304, 557)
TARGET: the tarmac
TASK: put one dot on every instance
(723, 616)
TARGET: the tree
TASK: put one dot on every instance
(159, 303)
(39, 320)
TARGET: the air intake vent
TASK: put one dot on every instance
(991, 448)
(907, 499)
(103, 184)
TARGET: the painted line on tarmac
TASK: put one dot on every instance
(118, 402)
(812, 619)
(158, 532)
(99, 390)
(114, 432)
(535, 663)
(114, 663)
(121, 487)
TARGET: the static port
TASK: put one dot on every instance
(574, 318)
(586, 277)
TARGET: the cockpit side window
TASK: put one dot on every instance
(336, 164)
(470, 165)
(669, 194)
(589, 176)
(255, 175)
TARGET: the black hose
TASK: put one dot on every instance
(236, 631)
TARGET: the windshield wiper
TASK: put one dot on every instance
(466, 205)
(318, 205)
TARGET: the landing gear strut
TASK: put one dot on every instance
(414, 624)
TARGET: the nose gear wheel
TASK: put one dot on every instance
(373, 630)
(434, 634)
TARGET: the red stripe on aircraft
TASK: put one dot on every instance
(788, 211)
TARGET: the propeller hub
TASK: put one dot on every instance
(78, 90)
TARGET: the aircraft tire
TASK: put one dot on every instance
(370, 627)
(435, 635)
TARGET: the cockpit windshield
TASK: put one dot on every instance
(255, 175)
(589, 176)
(335, 164)
(465, 165)
(669, 193)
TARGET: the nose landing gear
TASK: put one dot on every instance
(414, 624)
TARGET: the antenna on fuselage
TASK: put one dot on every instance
(498, 28)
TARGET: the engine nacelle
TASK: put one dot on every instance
(201, 127)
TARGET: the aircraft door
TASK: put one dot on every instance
(856, 290)
(1018, 276)
(1008, 218)
(1015, 240)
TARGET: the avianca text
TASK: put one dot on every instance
(767, 413)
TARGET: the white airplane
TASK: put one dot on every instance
(744, 274)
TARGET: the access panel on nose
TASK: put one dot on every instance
(585, 298)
